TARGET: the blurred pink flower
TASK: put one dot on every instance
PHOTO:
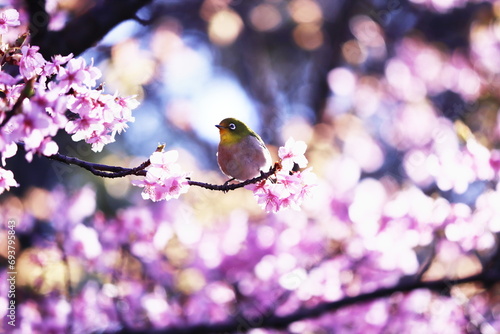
(8, 18)
(7, 180)
(84, 241)
(122, 112)
(8, 149)
(156, 307)
(289, 189)
(495, 160)
(7, 79)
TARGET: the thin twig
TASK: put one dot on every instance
(226, 187)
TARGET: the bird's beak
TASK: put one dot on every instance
(220, 127)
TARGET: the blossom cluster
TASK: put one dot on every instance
(164, 178)
(47, 96)
(289, 188)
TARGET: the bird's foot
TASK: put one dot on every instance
(270, 178)
(227, 182)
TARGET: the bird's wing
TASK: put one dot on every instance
(261, 142)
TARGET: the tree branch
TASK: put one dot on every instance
(39, 18)
(86, 30)
(102, 170)
(115, 171)
(242, 324)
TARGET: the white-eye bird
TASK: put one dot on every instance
(242, 154)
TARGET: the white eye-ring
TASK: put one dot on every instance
(232, 126)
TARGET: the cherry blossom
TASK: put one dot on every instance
(102, 116)
(272, 197)
(8, 18)
(164, 178)
(44, 91)
(293, 152)
(55, 66)
(77, 75)
(9, 149)
(31, 62)
(289, 189)
(122, 112)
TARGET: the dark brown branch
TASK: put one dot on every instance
(86, 30)
(102, 170)
(115, 171)
(39, 18)
(226, 187)
(242, 324)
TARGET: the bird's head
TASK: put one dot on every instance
(233, 131)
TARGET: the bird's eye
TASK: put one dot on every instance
(232, 126)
